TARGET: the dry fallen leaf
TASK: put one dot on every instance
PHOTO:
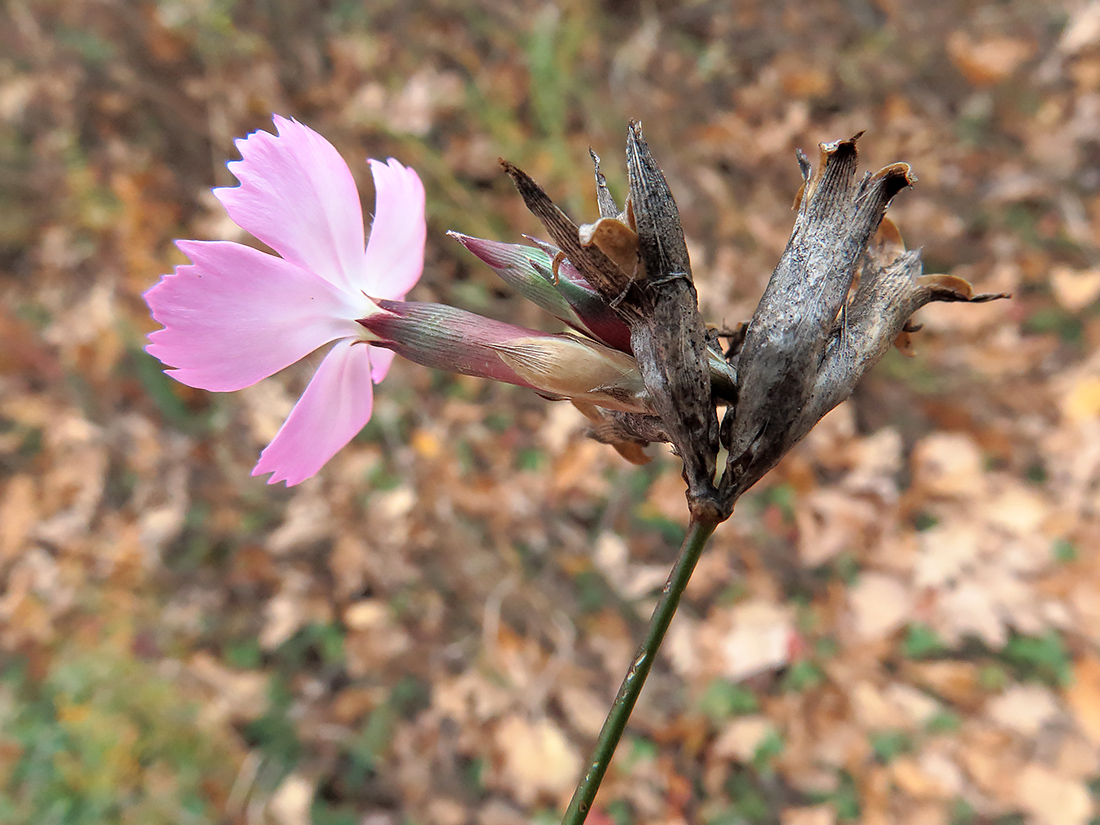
(928, 775)
(1052, 799)
(987, 62)
(1023, 709)
(585, 709)
(992, 761)
(1082, 29)
(957, 682)
(948, 464)
(18, 514)
(742, 737)
(817, 815)
(235, 695)
(290, 804)
(879, 605)
(971, 608)
(759, 640)
(1075, 289)
(946, 552)
(1083, 696)
(1082, 402)
(831, 521)
(537, 760)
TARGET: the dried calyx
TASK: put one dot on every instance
(833, 306)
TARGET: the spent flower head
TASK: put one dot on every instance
(832, 308)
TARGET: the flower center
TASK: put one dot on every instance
(368, 308)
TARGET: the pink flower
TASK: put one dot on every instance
(235, 315)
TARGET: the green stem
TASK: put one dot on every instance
(613, 726)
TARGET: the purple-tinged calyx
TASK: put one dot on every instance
(555, 366)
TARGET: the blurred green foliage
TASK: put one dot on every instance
(802, 675)
(106, 738)
(921, 641)
(944, 721)
(1064, 552)
(1043, 658)
(723, 699)
(769, 749)
(888, 745)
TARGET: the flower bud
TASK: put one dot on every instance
(546, 278)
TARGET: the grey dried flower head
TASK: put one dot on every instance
(812, 336)
(833, 306)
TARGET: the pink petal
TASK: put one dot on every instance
(297, 195)
(395, 252)
(334, 407)
(237, 315)
(380, 360)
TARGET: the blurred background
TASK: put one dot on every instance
(899, 625)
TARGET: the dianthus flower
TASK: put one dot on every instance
(236, 315)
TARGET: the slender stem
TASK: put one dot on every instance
(694, 542)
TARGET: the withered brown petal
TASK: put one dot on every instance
(617, 241)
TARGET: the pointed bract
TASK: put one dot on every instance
(887, 296)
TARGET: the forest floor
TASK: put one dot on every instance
(900, 624)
